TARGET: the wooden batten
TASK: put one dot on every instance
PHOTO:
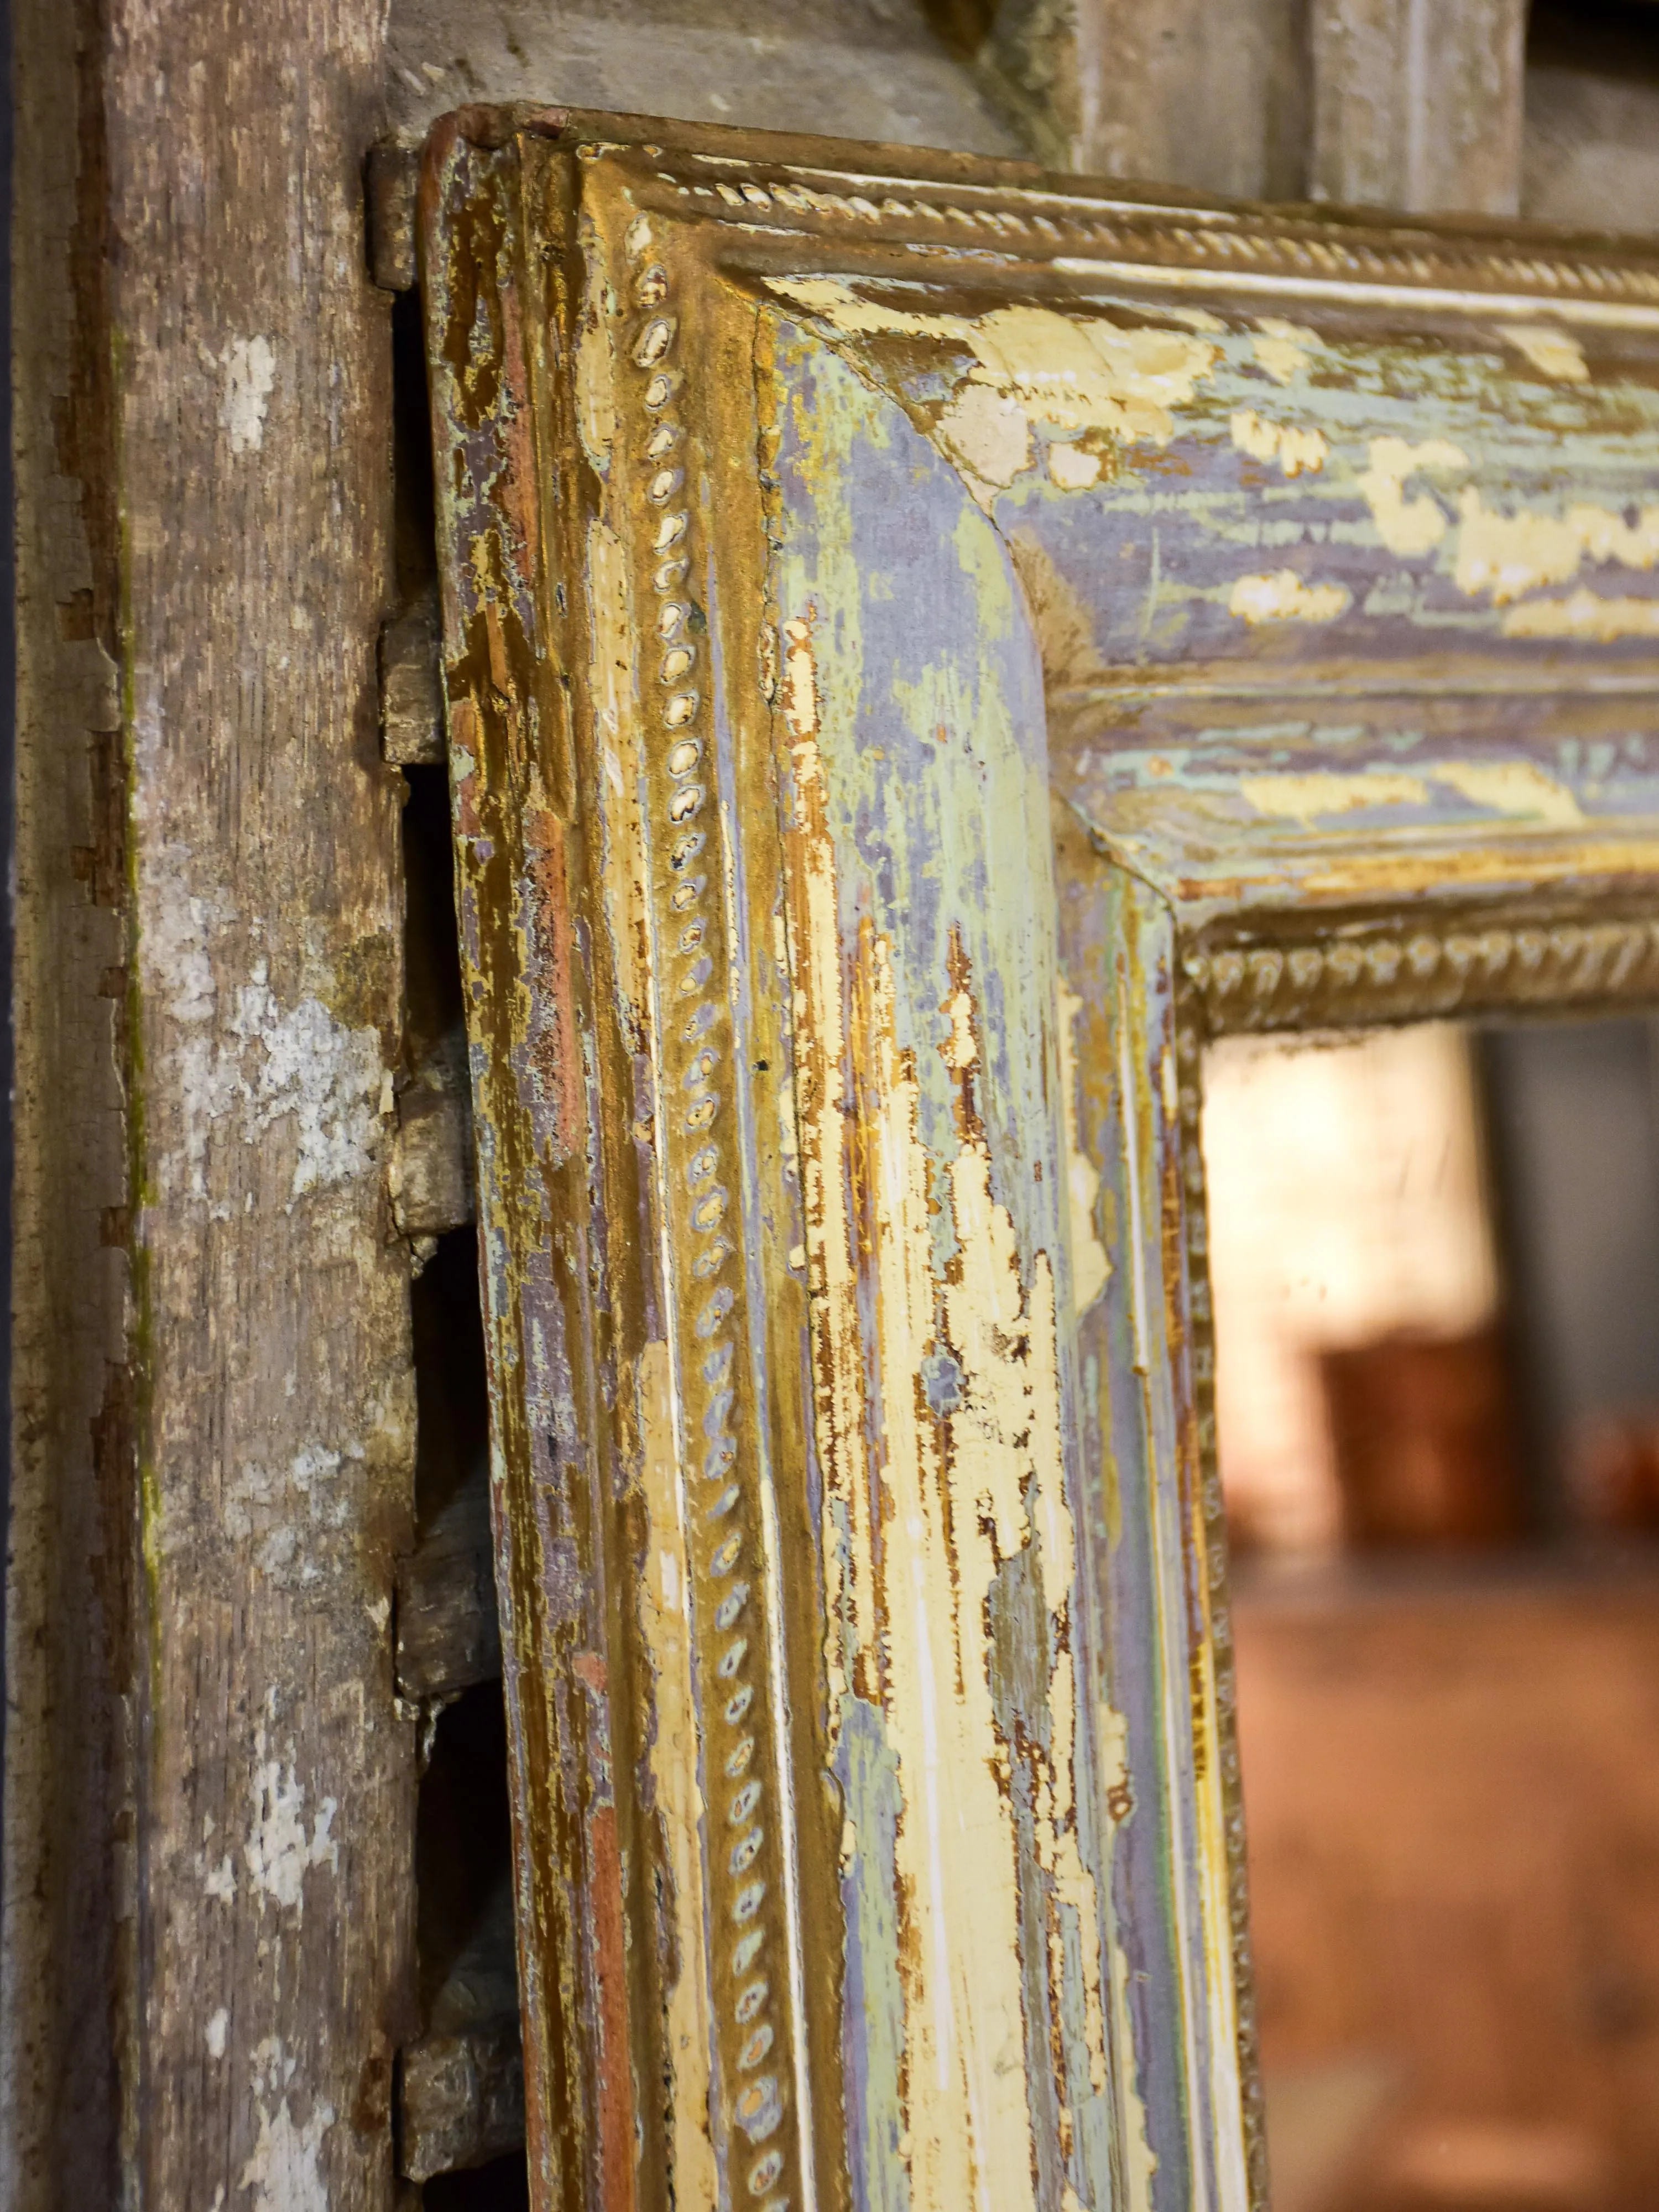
(213, 2017)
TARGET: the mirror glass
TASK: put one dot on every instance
(1435, 1257)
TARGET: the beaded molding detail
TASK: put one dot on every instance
(697, 1060)
(1221, 243)
(1397, 976)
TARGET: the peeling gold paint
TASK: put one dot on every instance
(1553, 351)
(1407, 525)
(596, 406)
(1283, 348)
(1516, 787)
(1586, 615)
(1283, 597)
(1304, 798)
(674, 1777)
(1295, 449)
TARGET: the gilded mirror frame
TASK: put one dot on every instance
(851, 870)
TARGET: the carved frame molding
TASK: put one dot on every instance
(582, 645)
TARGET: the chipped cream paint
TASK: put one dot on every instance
(1306, 796)
(1283, 597)
(674, 1773)
(989, 436)
(595, 388)
(1553, 352)
(1417, 525)
(946, 1522)
(1519, 789)
(1296, 449)
(1505, 555)
(214, 2033)
(1092, 374)
(1283, 348)
(281, 1850)
(284, 2173)
(250, 374)
(1090, 1264)
(1590, 615)
(1073, 467)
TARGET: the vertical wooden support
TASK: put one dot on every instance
(1171, 91)
(275, 1432)
(67, 1568)
(201, 1623)
(1417, 104)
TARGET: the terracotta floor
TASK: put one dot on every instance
(1452, 1788)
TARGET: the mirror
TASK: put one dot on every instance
(1435, 1261)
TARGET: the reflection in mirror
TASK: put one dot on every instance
(1435, 1261)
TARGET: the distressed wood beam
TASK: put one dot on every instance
(210, 1801)
(1417, 104)
(68, 1566)
(1176, 92)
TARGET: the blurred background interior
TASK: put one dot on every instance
(1436, 1265)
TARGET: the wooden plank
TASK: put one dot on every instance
(65, 1883)
(246, 870)
(1417, 105)
(448, 1632)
